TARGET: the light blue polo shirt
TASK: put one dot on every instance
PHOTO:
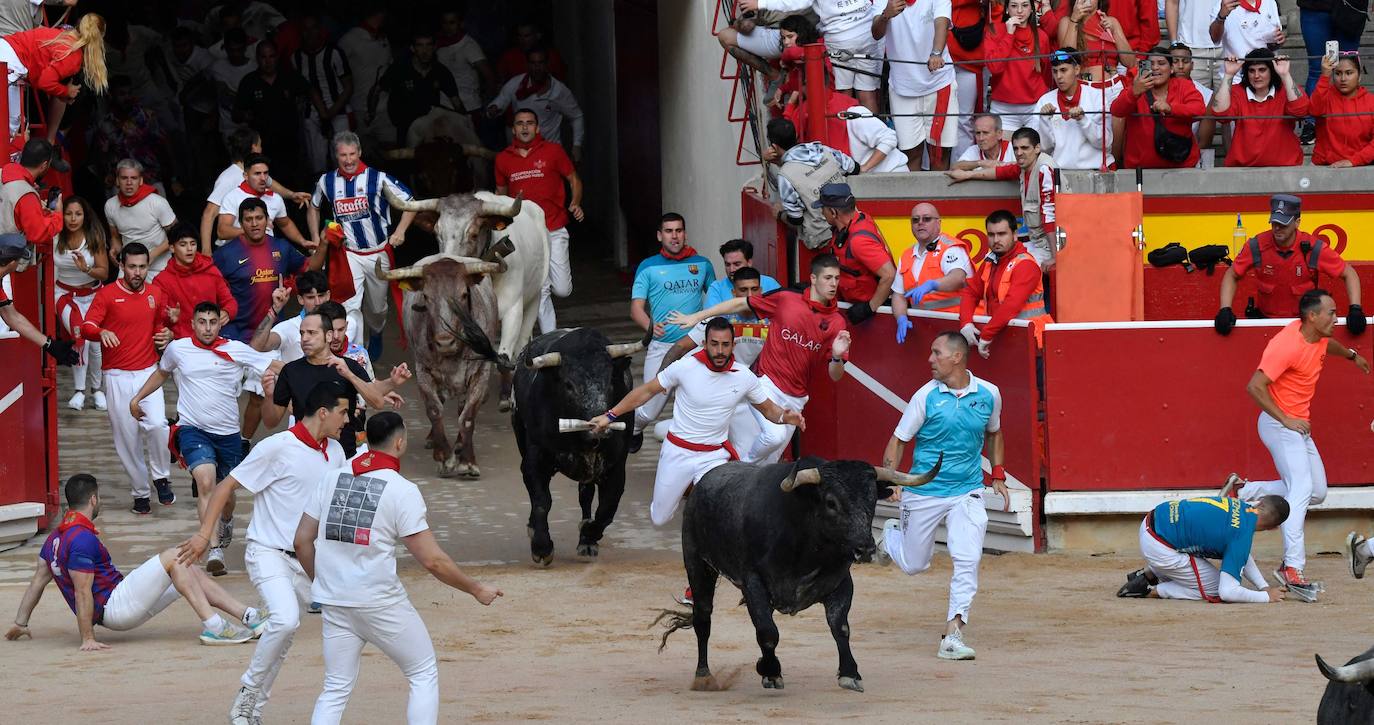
(723, 289)
(672, 286)
(952, 422)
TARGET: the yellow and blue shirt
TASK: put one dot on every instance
(1210, 527)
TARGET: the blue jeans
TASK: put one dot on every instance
(198, 448)
(1316, 30)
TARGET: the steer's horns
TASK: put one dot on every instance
(547, 360)
(478, 151)
(400, 154)
(1354, 672)
(411, 205)
(496, 208)
(624, 349)
(804, 477)
(471, 265)
(890, 475)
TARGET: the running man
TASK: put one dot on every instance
(284, 336)
(804, 328)
(282, 472)
(367, 511)
(97, 593)
(1178, 537)
(1283, 387)
(953, 419)
(207, 369)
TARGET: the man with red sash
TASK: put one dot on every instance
(931, 272)
(1008, 283)
(207, 369)
(866, 269)
(98, 593)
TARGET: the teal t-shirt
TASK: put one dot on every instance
(669, 285)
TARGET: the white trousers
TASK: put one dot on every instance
(140, 444)
(772, 437)
(1179, 574)
(284, 587)
(18, 81)
(968, 87)
(90, 351)
(367, 307)
(913, 544)
(560, 279)
(653, 357)
(399, 632)
(1304, 483)
(679, 468)
(139, 596)
(1013, 115)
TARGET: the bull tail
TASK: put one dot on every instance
(472, 334)
(677, 619)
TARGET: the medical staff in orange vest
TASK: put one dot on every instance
(930, 272)
(1008, 282)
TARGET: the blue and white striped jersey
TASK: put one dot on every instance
(356, 202)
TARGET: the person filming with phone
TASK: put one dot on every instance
(1159, 111)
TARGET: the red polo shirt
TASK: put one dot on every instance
(539, 176)
(1284, 276)
(800, 333)
(1264, 141)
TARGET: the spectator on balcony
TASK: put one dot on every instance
(845, 24)
(1320, 24)
(1099, 39)
(1157, 98)
(970, 23)
(795, 32)
(1345, 115)
(549, 97)
(1034, 171)
(931, 272)
(919, 92)
(1241, 27)
(1266, 141)
(874, 145)
(1188, 22)
(990, 148)
(1181, 66)
(866, 268)
(803, 169)
(46, 58)
(1071, 123)
(757, 40)
(1018, 74)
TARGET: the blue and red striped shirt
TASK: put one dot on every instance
(78, 548)
(252, 272)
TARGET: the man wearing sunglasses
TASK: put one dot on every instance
(1071, 121)
(930, 272)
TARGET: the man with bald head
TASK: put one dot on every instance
(931, 271)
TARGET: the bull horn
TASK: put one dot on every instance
(478, 151)
(496, 208)
(547, 360)
(415, 272)
(1362, 671)
(412, 204)
(400, 154)
(891, 475)
(804, 477)
(624, 349)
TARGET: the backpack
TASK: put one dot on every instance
(1209, 255)
(1168, 255)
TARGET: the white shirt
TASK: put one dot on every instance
(973, 153)
(843, 22)
(282, 473)
(145, 222)
(956, 257)
(1194, 23)
(1245, 31)
(276, 207)
(747, 347)
(227, 181)
(289, 332)
(706, 399)
(911, 36)
(869, 134)
(551, 105)
(1206, 101)
(1075, 143)
(460, 59)
(363, 520)
(207, 384)
(65, 269)
(368, 58)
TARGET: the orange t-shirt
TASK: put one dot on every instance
(1293, 365)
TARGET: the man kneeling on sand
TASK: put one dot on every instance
(97, 593)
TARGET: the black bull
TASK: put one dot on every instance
(1349, 696)
(786, 535)
(578, 374)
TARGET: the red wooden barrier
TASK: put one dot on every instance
(28, 400)
(1171, 293)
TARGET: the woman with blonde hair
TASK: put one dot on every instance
(46, 57)
(80, 265)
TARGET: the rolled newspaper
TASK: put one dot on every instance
(573, 425)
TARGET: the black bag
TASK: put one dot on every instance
(1168, 255)
(1208, 256)
(1349, 16)
(1170, 146)
(971, 37)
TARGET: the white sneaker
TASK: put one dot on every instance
(78, 401)
(258, 622)
(242, 711)
(1358, 561)
(952, 647)
(882, 557)
(214, 563)
(99, 400)
(224, 531)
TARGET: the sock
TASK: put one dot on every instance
(1363, 549)
(249, 614)
(214, 624)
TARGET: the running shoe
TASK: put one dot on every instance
(214, 563)
(99, 400)
(224, 530)
(1358, 561)
(952, 647)
(228, 634)
(686, 599)
(78, 401)
(242, 712)
(141, 506)
(636, 442)
(1297, 584)
(165, 495)
(1137, 588)
(257, 622)
(881, 557)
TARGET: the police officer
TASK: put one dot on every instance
(866, 269)
(1286, 262)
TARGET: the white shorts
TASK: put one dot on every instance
(1013, 115)
(847, 79)
(139, 596)
(766, 43)
(679, 468)
(912, 131)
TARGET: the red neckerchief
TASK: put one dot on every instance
(74, 519)
(536, 141)
(684, 253)
(821, 306)
(349, 177)
(375, 460)
(1001, 151)
(1252, 8)
(304, 436)
(343, 348)
(909, 3)
(249, 190)
(705, 359)
(527, 87)
(140, 194)
(1066, 103)
(213, 347)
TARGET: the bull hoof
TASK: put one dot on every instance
(772, 683)
(852, 683)
(544, 561)
(449, 468)
(473, 471)
(706, 683)
(503, 405)
(590, 550)
(429, 444)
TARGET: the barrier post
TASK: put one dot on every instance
(814, 58)
(1099, 272)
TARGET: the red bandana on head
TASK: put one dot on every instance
(685, 252)
(349, 177)
(139, 194)
(304, 436)
(213, 347)
(74, 519)
(705, 359)
(375, 460)
(250, 190)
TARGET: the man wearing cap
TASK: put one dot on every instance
(12, 248)
(1286, 262)
(931, 272)
(866, 269)
(21, 209)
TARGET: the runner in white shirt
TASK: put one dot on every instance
(464, 59)
(242, 143)
(137, 213)
(1069, 120)
(369, 55)
(367, 511)
(873, 144)
(919, 33)
(284, 337)
(256, 183)
(845, 25)
(989, 149)
(207, 369)
(281, 472)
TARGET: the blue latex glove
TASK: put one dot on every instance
(903, 325)
(920, 291)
